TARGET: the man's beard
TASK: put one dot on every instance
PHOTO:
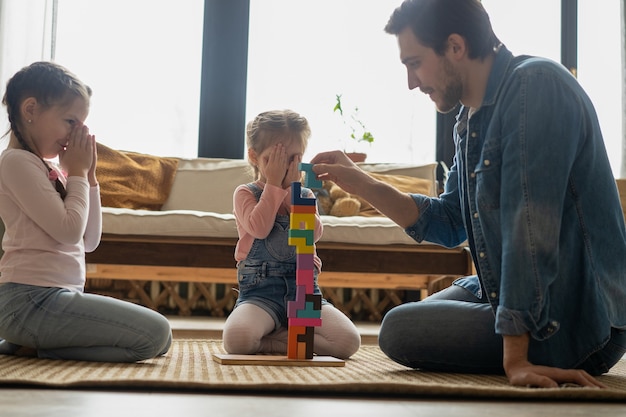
(452, 93)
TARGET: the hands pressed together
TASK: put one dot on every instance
(79, 157)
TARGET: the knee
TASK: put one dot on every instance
(391, 334)
(348, 345)
(159, 340)
(239, 340)
(351, 347)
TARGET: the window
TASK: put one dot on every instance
(301, 54)
(142, 59)
(600, 69)
(529, 28)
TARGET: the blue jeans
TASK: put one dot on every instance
(62, 324)
(270, 286)
(454, 331)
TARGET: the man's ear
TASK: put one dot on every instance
(28, 108)
(457, 46)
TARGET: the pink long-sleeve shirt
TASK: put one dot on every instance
(255, 220)
(45, 238)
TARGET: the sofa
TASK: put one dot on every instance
(186, 237)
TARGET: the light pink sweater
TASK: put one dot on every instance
(256, 220)
(45, 238)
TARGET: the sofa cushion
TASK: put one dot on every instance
(208, 184)
(426, 171)
(190, 223)
(404, 183)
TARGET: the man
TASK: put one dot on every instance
(532, 192)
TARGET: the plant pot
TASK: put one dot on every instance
(357, 156)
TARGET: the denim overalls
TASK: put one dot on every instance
(267, 277)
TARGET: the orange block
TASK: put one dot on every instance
(304, 209)
(292, 341)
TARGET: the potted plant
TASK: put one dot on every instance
(358, 133)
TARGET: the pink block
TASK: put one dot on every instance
(305, 261)
(305, 278)
(307, 322)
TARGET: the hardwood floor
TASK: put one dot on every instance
(69, 403)
(24, 402)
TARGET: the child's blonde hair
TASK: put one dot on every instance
(271, 126)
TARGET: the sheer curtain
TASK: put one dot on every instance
(25, 37)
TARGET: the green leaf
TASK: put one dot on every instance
(367, 137)
(338, 104)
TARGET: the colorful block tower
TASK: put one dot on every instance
(305, 312)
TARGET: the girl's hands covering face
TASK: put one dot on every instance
(273, 164)
(293, 173)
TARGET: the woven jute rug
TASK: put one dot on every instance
(189, 366)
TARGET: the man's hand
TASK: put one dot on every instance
(335, 166)
(547, 377)
(521, 372)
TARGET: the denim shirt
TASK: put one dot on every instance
(532, 191)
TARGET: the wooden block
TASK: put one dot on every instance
(304, 209)
(310, 179)
(301, 246)
(308, 312)
(302, 351)
(306, 343)
(296, 196)
(304, 322)
(305, 262)
(316, 299)
(305, 278)
(276, 360)
(308, 336)
(307, 235)
(293, 306)
(292, 340)
(295, 220)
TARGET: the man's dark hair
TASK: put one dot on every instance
(433, 21)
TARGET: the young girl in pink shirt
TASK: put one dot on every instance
(266, 263)
(52, 217)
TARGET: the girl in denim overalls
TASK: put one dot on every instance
(266, 263)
